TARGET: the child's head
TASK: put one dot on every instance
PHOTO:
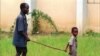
(74, 31)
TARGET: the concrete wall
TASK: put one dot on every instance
(9, 11)
(0, 13)
(94, 17)
(63, 12)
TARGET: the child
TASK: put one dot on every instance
(72, 44)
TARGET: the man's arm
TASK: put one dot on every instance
(21, 27)
(25, 35)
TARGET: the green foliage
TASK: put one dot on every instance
(92, 33)
(0, 30)
(0, 33)
(36, 15)
(60, 32)
(87, 46)
(12, 28)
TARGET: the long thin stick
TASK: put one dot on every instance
(48, 46)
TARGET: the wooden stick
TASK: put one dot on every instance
(48, 46)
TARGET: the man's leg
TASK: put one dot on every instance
(24, 51)
(18, 51)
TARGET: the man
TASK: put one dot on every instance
(72, 44)
(20, 34)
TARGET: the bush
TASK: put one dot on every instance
(92, 33)
(37, 15)
(0, 30)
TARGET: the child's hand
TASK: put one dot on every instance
(70, 53)
(65, 50)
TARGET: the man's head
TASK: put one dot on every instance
(24, 8)
(74, 31)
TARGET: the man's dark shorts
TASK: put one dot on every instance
(21, 50)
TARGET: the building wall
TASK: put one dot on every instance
(9, 11)
(62, 12)
(94, 16)
(0, 13)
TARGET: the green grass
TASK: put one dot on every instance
(87, 45)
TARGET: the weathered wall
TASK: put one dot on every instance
(9, 11)
(94, 16)
(63, 12)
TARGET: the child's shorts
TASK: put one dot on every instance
(73, 54)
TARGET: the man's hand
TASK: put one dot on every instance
(27, 39)
(25, 35)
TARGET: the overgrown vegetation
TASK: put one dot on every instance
(12, 29)
(0, 30)
(87, 45)
(5, 33)
(37, 15)
(92, 33)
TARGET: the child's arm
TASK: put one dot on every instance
(70, 49)
(76, 42)
(66, 47)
